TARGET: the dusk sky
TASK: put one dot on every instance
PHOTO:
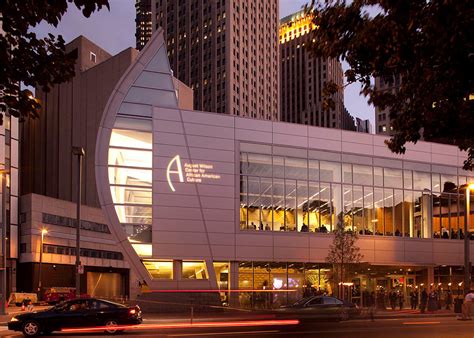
(115, 31)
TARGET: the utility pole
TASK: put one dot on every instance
(80, 153)
(467, 239)
(3, 300)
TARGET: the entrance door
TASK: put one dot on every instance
(104, 284)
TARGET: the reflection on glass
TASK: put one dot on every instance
(290, 205)
(159, 269)
(347, 206)
(278, 205)
(302, 205)
(131, 195)
(369, 211)
(435, 182)
(313, 170)
(362, 174)
(134, 214)
(194, 270)
(417, 214)
(379, 212)
(243, 202)
(392, 178)
(398, 212)
(346, 173)
(296, 168)
(378, 176)
(330, 171)
(314, 206)
(358, 209)
(253, 209)
(266, 213)
(421, 180)
(337, 211)
(138, 233)
(407, 179)
(260, 165)
(388, 212)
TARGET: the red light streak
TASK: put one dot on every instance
(259, 290)
(189, 325)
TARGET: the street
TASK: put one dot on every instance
(387, 328)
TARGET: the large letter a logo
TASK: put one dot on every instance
(178, 171)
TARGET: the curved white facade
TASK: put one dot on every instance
(170, 184)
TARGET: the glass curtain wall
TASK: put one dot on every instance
(291, 194)
(130, 179)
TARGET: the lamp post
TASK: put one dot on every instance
(80, 153)
(3, 300)
(467, 239)
(43, 232)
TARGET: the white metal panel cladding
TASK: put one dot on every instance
(206, 180)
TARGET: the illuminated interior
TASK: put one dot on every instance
(194, 270)
(130, 178)
(159, 269)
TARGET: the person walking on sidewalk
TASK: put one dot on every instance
(424, 300)
(401, 299)
(449, 299)
(433, 301)
(393, 300)
(413, 300)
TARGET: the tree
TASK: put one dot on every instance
(427, 45)
(29, 60)
(343, 252)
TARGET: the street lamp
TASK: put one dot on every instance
(43, 232)
(80, 153)
(3, 296)
(467, 239)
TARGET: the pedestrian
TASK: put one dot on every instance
(424, 300)
(468, 306)
(433, 301)
(449, 299)
(413, 300)
(371, 303)
(401, 299)
(393, 300)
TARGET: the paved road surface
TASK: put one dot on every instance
(386, 328)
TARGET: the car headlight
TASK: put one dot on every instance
(14, 319)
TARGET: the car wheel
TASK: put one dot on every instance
(31, 328)
(111, 327)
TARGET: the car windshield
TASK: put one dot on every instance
(302, 301)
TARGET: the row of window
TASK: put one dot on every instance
(71, 251)
(72, 223)
(327, 171)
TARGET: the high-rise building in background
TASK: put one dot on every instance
(143, 22)
(304, 75)
(363, 126)
(226, 51)
(382, 116)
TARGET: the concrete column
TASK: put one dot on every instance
(234, 283)
(430, 278)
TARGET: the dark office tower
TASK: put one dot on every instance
(143, 22)
(383, 122)
(226, 51)
(303, 77)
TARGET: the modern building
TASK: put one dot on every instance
(363, 126)
(9, 197)
(143, 22)
(200, 201)
(70, 116)
(226, 51)
(303, 77)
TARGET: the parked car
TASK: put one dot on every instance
(58, 294)
(77, 313)
(321, 308)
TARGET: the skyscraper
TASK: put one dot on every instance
(303, 77)
(226, 50)
(382, 116)
(143, 22)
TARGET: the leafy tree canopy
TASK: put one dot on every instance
(33, 61)
(426, 44)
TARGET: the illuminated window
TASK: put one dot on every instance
(194, 270)
(127, 176)
(130, 158)
(159, 269)
(143, 250)
(131, 139)
(134, 214)
(130, 195)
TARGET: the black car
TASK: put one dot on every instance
(77, 313)
(321, 308)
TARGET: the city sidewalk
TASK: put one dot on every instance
(408, 313)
